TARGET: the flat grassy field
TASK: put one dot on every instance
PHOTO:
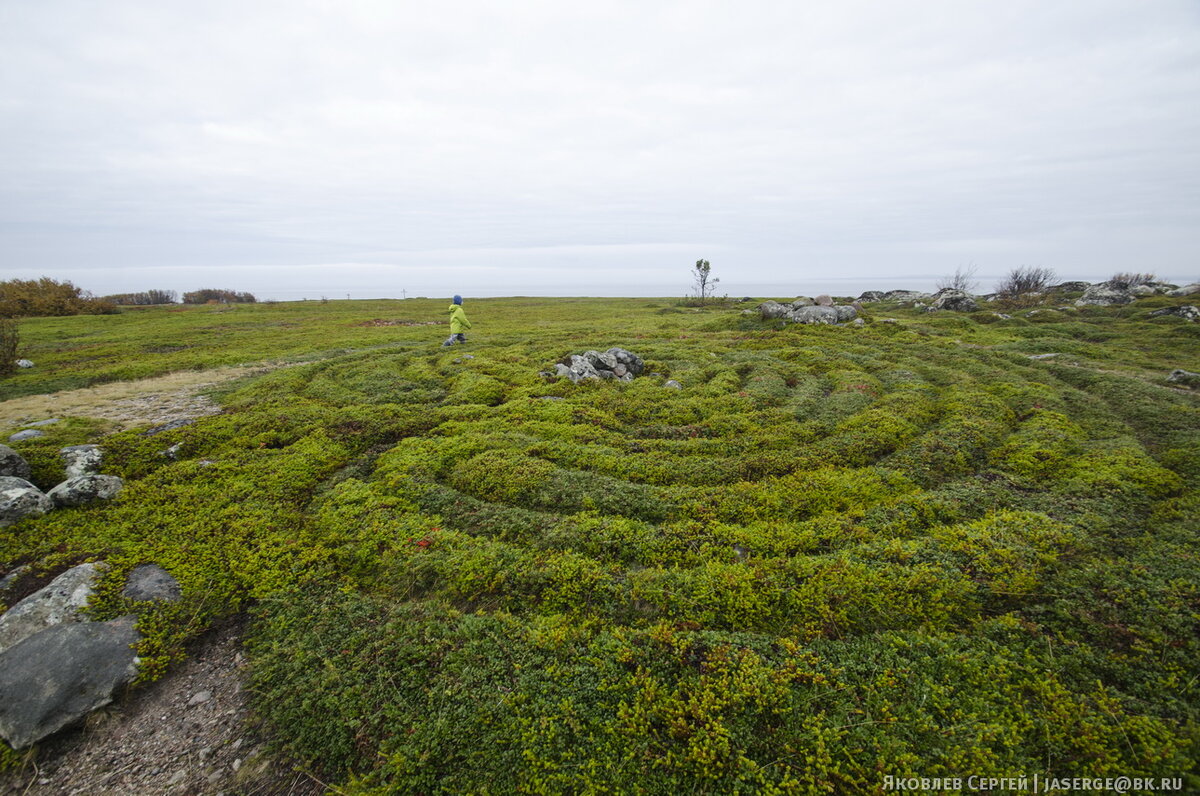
(836, 554)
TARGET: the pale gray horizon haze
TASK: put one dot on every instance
(302, 149)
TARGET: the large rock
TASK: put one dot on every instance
(12, 482)
(20, 499)
(81, 459)
(815, 314)
(1069, 287)
(61, 601)
(29, 433)
(871, 295)
(1186, 290)
(1103, 295)
(845, 312)
(13, 463)
(1184, 377)
(956, 300)
(1185, 311)
(151, 582)
(59, 675)
(802, 301)
(770, 310)
(85, 489)
(905, 295)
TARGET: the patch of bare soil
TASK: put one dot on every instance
(146, 402)
(387, 322)
(188, 733)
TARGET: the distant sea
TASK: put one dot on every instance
(834, 286)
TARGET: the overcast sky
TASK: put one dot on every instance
(557, 148)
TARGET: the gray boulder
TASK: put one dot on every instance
(1184, 377)
(845, 313)
(633, 363)
(47, 422)
(61, 601)
(24, 363)
(81, 459)
(802, 301)
(815, 314)
(85, 489)
(13, 463)
(1069, 287)
(1143, 290)
(1185, 311)
(20, 499)
(871, 295)
(956, 300)
(151, 582)
(770, 310)
(905, 295)
(12, 482)
(1103, 295)
(1186, 290)
(59, 675)
(823, 300)
(29, 433)
(671, 384)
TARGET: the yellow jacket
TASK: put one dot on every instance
(458, 319)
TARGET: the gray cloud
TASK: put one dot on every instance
(537, 146)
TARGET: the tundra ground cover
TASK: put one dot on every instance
(837, 553)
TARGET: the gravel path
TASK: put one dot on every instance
(185, 734)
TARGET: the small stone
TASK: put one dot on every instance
(29, 433)
(24, 363)
(172, 452)
(671, 384)
(176, 778)
(47, 422)
(199, 698)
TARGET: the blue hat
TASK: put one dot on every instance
(458, 299)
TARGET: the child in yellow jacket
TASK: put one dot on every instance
(458, 323)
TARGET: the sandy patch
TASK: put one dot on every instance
(146, 402)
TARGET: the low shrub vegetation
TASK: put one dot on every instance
(835, 553)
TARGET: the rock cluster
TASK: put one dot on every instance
(805, 310)
(956, 300)
(615, 363)
(56, 666)
(1104, 295)
(1186, 311)
(19, 498)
